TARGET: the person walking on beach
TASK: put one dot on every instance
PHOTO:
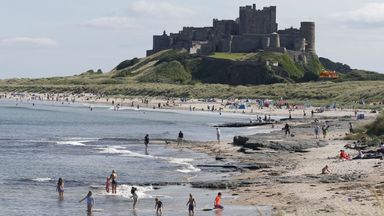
(217, 203)
(218, 135)
(90, 201)
(134, 196)
(146, 141)
(350, 127)
(324, 129)
(191, 205)
(180, 138)
(158, 207)
(107, 183)
(317, 130)
(114, 181)
(287, 129)
(60, 188)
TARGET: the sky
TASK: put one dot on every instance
(46, 38)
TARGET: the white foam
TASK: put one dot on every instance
(125, 191)
(76, 141)
(46, 179)
(123, 151)
(185, 162)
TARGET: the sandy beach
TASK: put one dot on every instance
(289, 177)
(293, 183)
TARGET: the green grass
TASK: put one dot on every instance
(228, 56)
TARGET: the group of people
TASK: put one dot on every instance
(90, 200)
(324, 129)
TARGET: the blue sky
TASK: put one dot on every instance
(45, 38)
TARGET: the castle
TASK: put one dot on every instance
(253, 31)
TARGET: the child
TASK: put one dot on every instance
(90, 201)
(134, 196)
(107, 183)
(158, 206)
(217, 203)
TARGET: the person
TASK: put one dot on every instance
(217, 203)
(218, 135)
(317, 130)
(180, 138)
(114, 181)
(350, 127)
(90, 201)
(158, 206)
(360, 155)
(325, 170)
(134, 196)
(343, 155)
(312, 113)
(381, 149)
(107, 183)
(324, 128)
(191, 205)
(146, 140)
(60, 188)
(287, 129)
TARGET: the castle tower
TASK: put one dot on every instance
(253, 21)
(275, 40)
(308, 32)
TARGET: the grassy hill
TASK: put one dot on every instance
(346, 73)
(177, 66)
(175, 73)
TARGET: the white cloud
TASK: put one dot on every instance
(370, 14)
(115, 22)
(160, 9)
(29, 41)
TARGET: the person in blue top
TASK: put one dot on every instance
(90, 201)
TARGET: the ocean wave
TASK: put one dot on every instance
(123, 151)
(44, 179)
(76, 141)
(186, 162)
(124, 191)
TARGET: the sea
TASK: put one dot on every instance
(41, 142)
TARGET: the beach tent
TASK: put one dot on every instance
(242, 106)
(360, 116)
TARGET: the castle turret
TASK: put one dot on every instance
(275, 40)
(308, 32)
(253, 21)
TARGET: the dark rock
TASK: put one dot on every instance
(240, 140)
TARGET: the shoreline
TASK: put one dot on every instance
(290, 180)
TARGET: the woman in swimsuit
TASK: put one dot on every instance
(114, 181)
(60, 188)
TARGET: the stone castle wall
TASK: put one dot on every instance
(252, 31)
